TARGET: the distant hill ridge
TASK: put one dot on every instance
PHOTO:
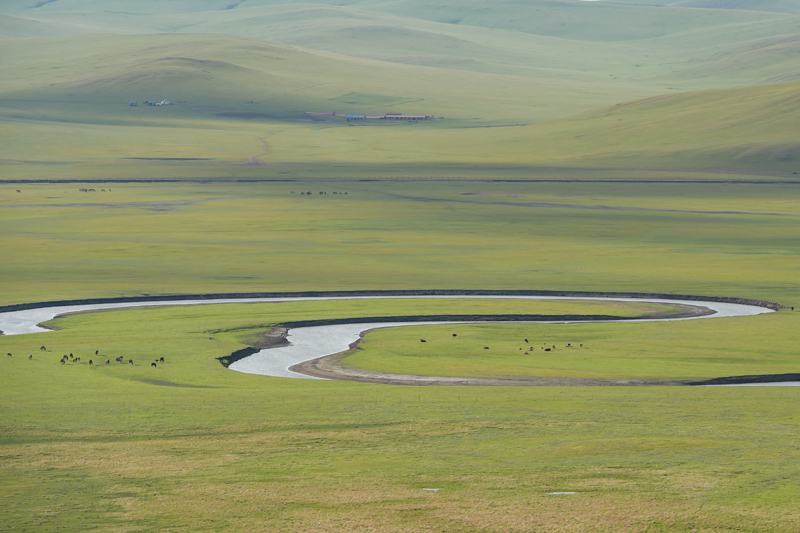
(689, 84)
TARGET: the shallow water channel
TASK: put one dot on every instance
(307, 343)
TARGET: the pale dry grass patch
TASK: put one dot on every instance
(306, 504)
(137, 459)
(557, 513)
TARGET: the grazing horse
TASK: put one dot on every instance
(30, 356)
(63, 362)
(153, 365)
(107, 362)
(91, 362)
(485, 347)
(422, 340)
(526, 341)
(130, 361)
(77, 360)
(454, 335)
(9, 354)
(161, 360)
(42, 348)
(97, 352)
(119, 359)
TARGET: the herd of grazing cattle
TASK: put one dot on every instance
(529, 349)
(76, 359)
(324, 193)
(71, 358)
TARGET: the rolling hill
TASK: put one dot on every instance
(753, 129)
(638, 43)
(689, 84)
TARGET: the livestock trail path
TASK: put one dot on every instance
(314, 351)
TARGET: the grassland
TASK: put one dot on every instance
(726, 239)
(192, 446)
(669, 131)
(657, 351)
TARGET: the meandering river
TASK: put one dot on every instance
(308, 343)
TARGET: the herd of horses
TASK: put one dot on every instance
(71, 358)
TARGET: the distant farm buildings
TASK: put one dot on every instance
(148, 102)
(363, 118)
(400, 116)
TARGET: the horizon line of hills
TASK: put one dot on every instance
(689, 84)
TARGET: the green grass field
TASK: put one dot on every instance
(192, 446)
(621, 146)
(658, 351)
(722, 239)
